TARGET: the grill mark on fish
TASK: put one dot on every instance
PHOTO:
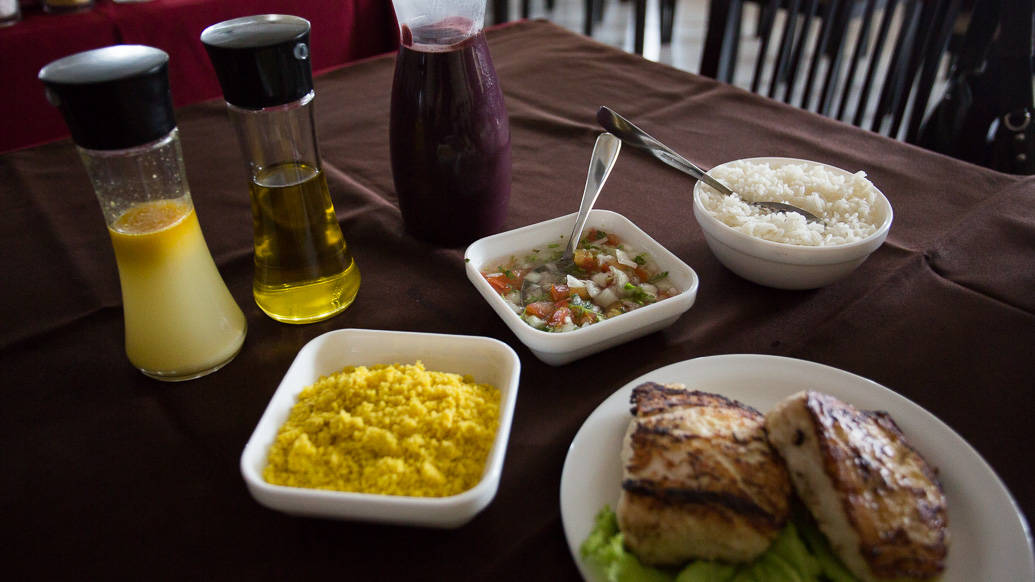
(651, 398)
(699, 478)
(680, 496)
(842, 434)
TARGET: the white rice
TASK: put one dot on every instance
(848, 204)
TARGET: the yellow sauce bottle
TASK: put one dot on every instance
(181, 321)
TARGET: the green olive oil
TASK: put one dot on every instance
(303, 269)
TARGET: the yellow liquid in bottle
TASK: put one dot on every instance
(181, 321)
(303, 269)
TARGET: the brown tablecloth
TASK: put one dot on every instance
(107, 473)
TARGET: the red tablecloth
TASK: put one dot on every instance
(342, 31)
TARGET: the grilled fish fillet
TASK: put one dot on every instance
(699, 480)
(876, 499)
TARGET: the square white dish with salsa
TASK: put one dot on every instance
(624, 285)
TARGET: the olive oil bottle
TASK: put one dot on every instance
(303, 269)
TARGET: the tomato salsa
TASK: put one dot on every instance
(609, 278)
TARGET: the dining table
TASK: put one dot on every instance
(106, 473)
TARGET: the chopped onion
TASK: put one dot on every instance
(601, 279)
(513, 300)
(534, 277)
(606, 297)
(534, 321)
(623, 258)
(619, 277)
(573, 282)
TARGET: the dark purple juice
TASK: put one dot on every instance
(449, 134)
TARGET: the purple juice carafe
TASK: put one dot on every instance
(449, 133)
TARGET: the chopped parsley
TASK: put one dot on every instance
(536, 299)
(657, 277)
(637, 294)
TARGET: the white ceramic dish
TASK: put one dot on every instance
(560, 348)
(487, 360)
(990, 538)
(782, 265)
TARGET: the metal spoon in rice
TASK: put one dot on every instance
(605, 152)
(636, 137)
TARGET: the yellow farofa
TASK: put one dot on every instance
(390, 429)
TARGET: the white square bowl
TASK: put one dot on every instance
(563, 347)
(488, 360)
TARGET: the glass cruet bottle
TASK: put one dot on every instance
(449, 133)
(180, 320)
(304, 271)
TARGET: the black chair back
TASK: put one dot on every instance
(872, 63)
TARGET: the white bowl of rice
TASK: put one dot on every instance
(783, 250)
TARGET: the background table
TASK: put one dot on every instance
(107, 473)
(343, 31)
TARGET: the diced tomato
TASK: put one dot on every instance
(582, 292)
(499, 282)
(517, 277)
(558, 292)
(585, 260)
(592, 236)
(642, 274)
(558, 317)
(612, 239)
(541, 309)
(507, 281)
(585, 316)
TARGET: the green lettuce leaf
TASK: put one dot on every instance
(799, 554)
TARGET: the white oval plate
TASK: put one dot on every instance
(990, 538)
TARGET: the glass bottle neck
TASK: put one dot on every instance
(277, 135)
(438, 24)
(146, 173)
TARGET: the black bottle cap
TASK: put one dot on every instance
(261, 61)
(112, 98)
